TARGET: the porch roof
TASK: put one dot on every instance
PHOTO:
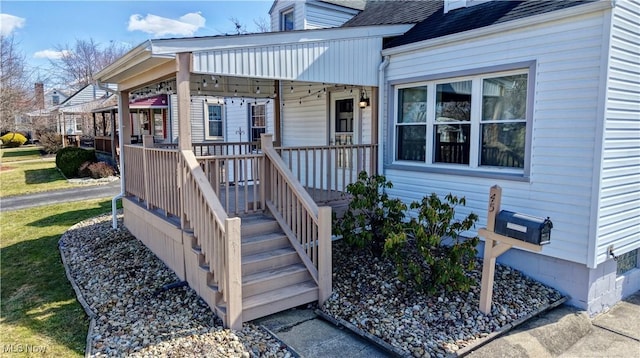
(336, 55)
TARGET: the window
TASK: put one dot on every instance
(468, 122)
(627, 262)
(158, 123)
(55, 100)
(213, 121)
(257, 121)
(286, 20)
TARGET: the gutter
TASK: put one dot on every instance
(381, 93)
(114, 200)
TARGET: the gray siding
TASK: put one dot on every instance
(619, 211)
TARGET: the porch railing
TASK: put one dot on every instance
(203, 149)
(325, 171)
(237, 181)
(160, 166)
(103, 144)
(217, 235)
(134, 175)
(307, 225)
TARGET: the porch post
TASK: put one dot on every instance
(113, 136)
(125, 118)
(184, 100)
(324, 254)
(374, 100)
(276, 114)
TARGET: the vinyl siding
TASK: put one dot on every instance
(322, 15)
(298, 14)
(568, 55)
(237, 116)
(619, 212)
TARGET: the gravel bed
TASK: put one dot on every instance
(119, 278)
(367, 294)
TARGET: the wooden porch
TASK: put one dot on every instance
(247, 225)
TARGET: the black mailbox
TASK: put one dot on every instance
(524, 227)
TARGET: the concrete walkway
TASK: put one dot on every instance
(567, 332)
(79, 193)
(561, 332)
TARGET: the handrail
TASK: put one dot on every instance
(216, 233)
(307, 226)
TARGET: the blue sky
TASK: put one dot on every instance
(40, 26)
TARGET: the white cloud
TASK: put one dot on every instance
(50, 54)
(8, 23)
(186, 25)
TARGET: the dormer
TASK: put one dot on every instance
(289, 15)
(457, 4)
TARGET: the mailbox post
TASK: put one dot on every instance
(494, 246)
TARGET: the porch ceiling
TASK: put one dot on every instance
(340, 55)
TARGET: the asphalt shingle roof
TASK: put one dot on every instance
(474, 17)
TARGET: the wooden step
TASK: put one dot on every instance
(268, 280)
(279, 300)
(269, 260)
(258, 225)
(266, 242)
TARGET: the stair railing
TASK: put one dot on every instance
(307, 226)
(217, 234)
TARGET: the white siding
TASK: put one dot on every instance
(87, 94)
(568, 56)
(298, 14)
(330, 60)
(304, 124)
(619, 212)
(321, 15)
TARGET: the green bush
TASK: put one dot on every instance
(420, 255)
(371, 216)
(13, 139)
(50, 141)
(69, 160)
(376, 222)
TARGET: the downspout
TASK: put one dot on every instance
(381, 96)
(114, 200)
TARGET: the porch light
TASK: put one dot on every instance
(364, 99)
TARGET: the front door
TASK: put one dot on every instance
(344, 122)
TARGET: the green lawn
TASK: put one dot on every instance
(19, 178)
(22, 153)
(38, 307)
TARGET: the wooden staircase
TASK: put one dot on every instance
(273, 275)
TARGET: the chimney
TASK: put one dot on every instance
(39, 95)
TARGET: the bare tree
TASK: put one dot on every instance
(262, 24)
(239, 27)
(15, 96)
(85, 58)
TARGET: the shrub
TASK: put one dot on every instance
(83, 170)
(101, 170)
(69, 160)
(13, 139)
(419, 253)
(51, 142)
(371, 215)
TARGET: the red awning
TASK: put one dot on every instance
(159, 101)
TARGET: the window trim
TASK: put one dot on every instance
(205, 118)
(283, 12)
(443, 168)
(251, 113)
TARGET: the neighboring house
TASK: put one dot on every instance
(75, 112)
(539, 97)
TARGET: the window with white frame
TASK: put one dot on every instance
(213, 128)
(287, 20)
(474, 121)
(257, 121)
